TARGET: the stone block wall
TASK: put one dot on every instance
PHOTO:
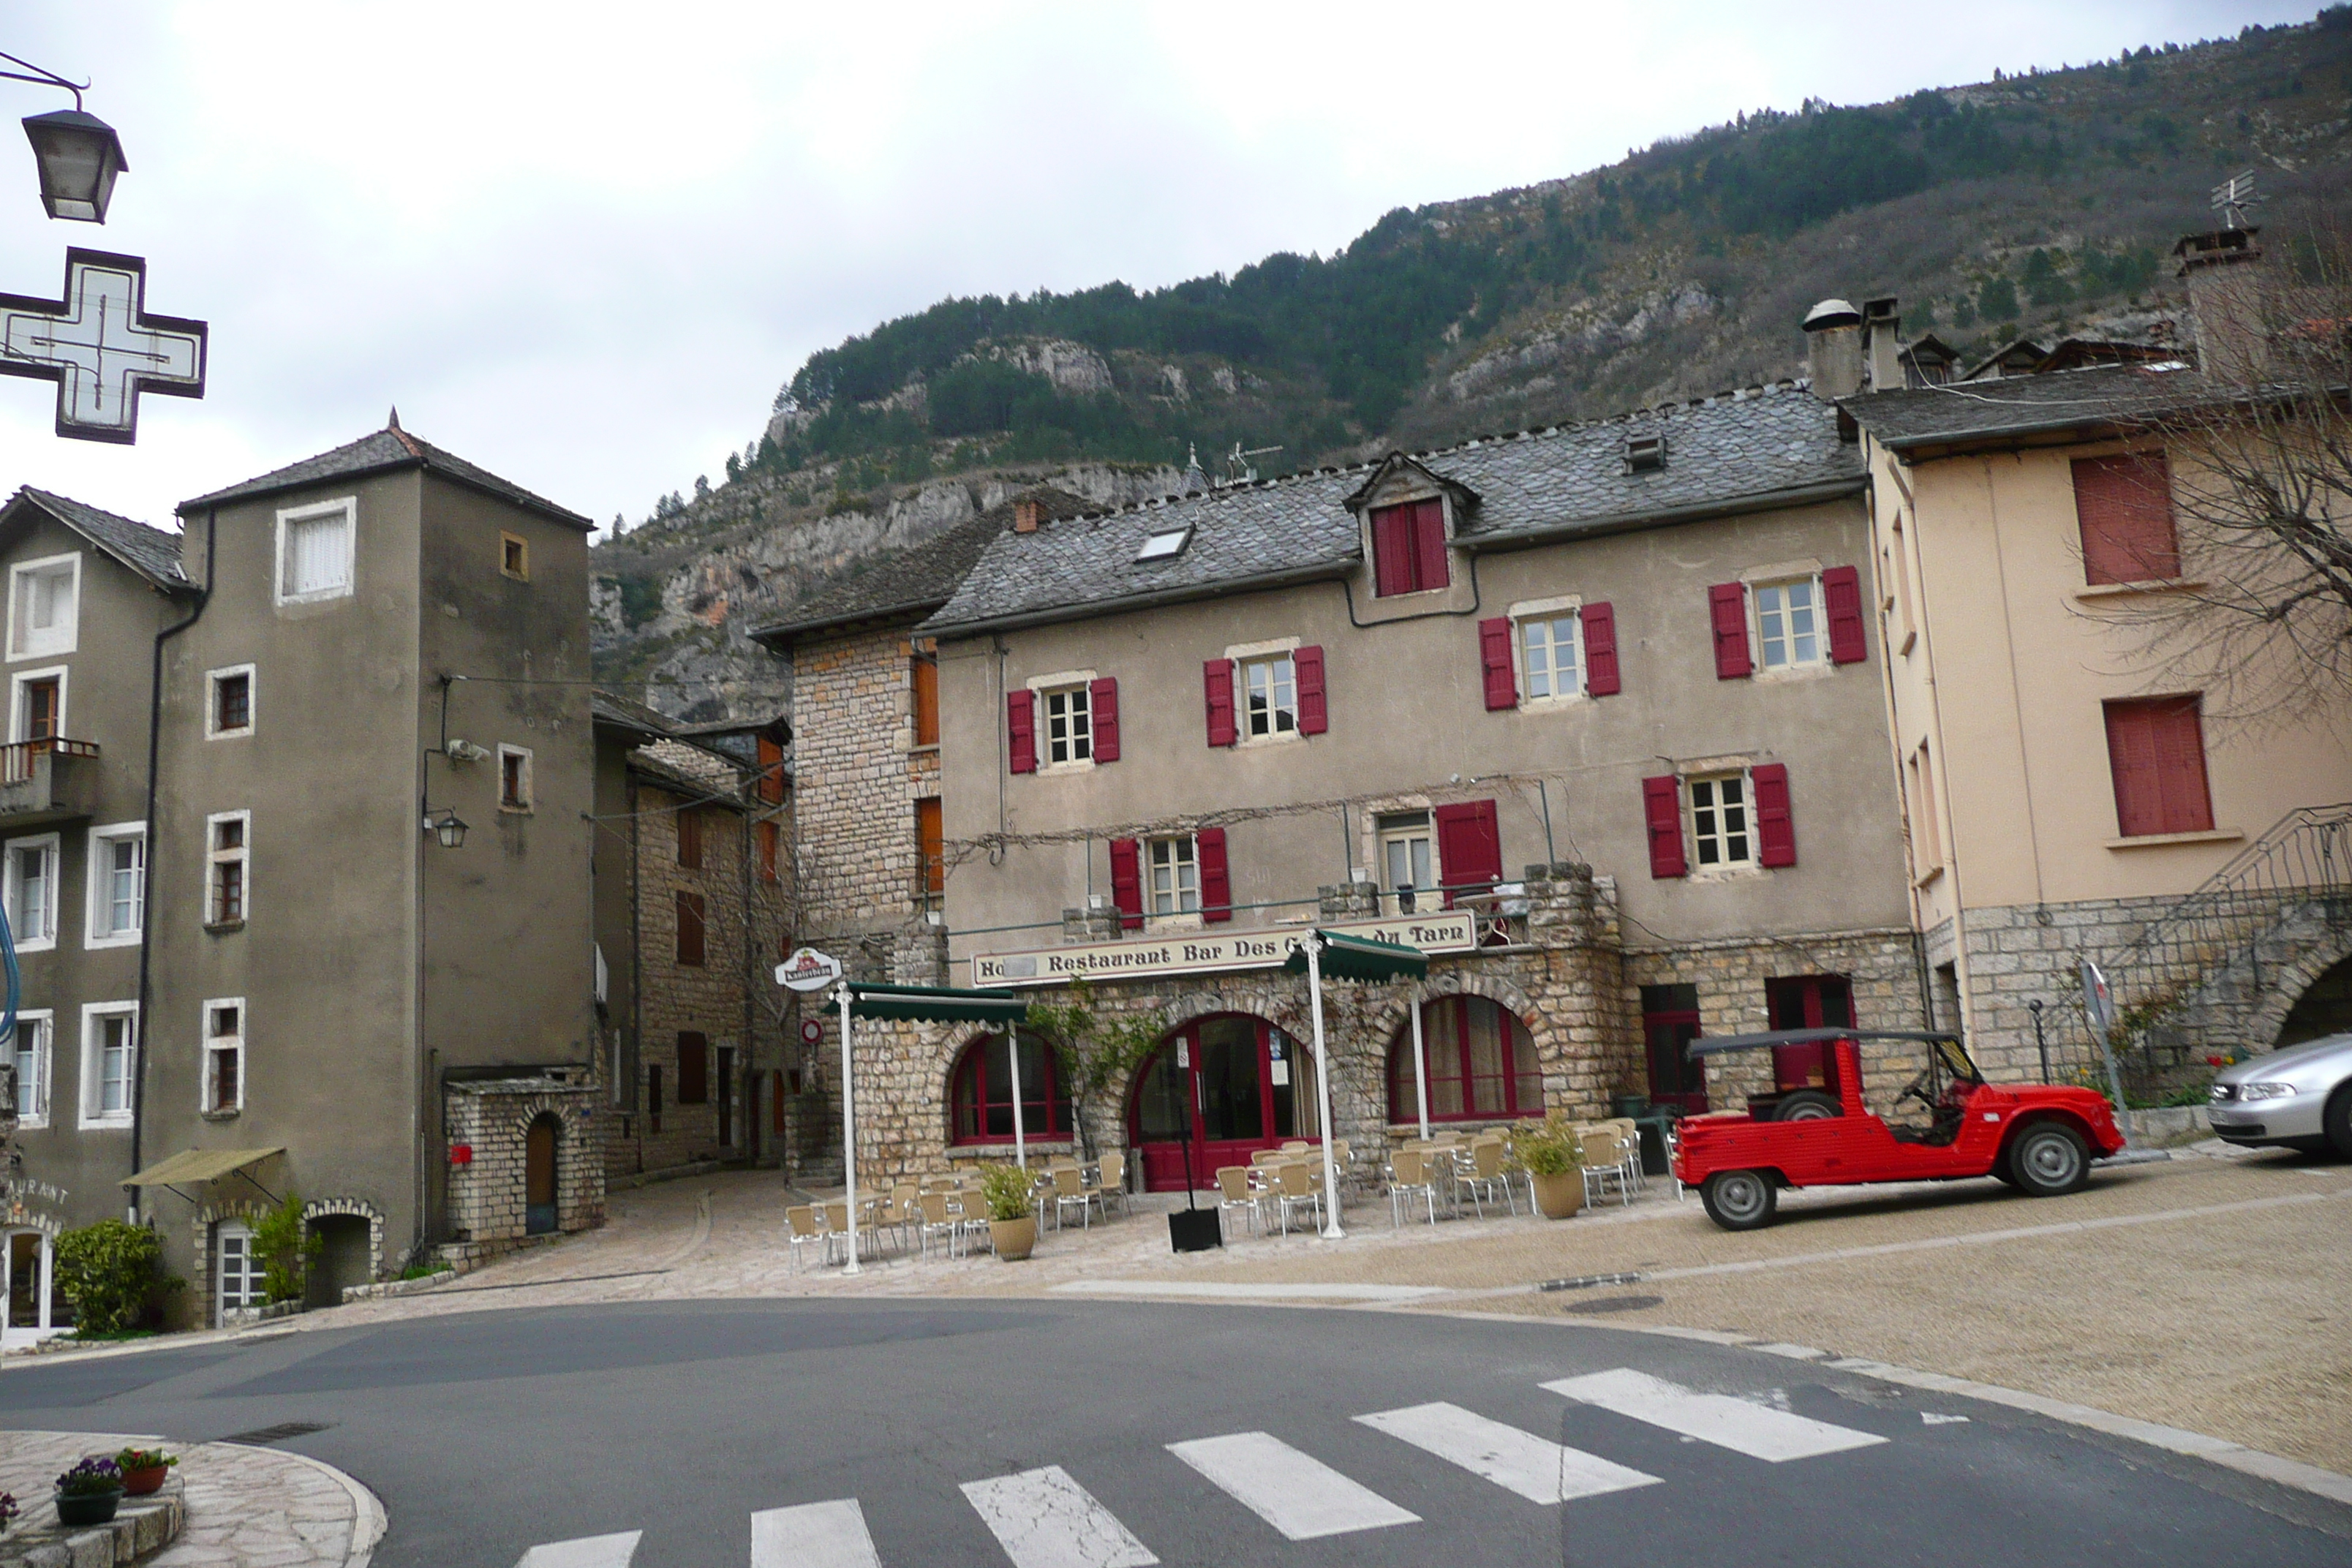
(493, 1118)
(858, 777)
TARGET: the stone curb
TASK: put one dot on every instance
(368, 1520)
(140, 1528)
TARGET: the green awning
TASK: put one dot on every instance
(1360, 958)
(191, 1165)
(936, 1004)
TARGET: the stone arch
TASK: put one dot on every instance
(355, 1209)
(2284, 996)
(1396, 1017)
(200, 1275)
(952, 1051)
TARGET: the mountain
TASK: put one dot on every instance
(2043, 204)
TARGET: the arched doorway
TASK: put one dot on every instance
(2324, 1009)
(1217, 1091)
(25, 1261)
(342, 1260)
(1480, 1061)
(539, 1174)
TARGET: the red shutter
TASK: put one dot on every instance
(1601, 650)
(1726, 608)
(1216, 883)
(1217, 677)
(1495, 659)
(1391, 550)
(1307, 668)
(2156, 751)
(1841, 596)
(1126, 882)
(1020, 725)
(1102, 707)
(1429, 545)
(1469, 848)
(1776, 830)
(2125, 507)
(1662, 809)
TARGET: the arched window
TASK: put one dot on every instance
(1482, 1064)
(982, 1092)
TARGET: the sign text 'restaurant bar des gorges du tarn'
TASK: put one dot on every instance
(1209, 953)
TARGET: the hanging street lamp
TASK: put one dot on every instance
(79, 155)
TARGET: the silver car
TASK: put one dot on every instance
(2300, 1097)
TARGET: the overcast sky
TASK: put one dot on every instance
(583, 245)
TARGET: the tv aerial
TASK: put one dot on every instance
(2233, 198)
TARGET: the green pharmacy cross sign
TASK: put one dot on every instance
(102, 347)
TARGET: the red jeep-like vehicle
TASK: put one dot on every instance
(1816, 1131)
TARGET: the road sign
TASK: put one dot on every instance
(100, 346)
(812, 1032)
(2098, 1003)
(808, 970)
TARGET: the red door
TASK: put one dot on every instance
(1806, 1002)
(1217, 1091)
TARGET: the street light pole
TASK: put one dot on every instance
(2040, 1044)
(1331, 1231)
(848, 1133)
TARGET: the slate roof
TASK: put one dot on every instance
(149, 552)
(389, 449)
(913, 582)
(1760, 447)
(616, 712)
(2021, 406)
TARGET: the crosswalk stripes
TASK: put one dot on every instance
(1297, 1493)
(814, 1535)
(588, 1551)
(1517, 1461)
(1044, 1518)
(1757, 1430)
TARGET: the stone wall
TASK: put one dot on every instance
(493, 1119)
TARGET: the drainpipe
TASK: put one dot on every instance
(636, 975)
(147, 916)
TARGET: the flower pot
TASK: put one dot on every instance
(139, 1483)
(88, 1508)
(1559, 1196)
(1013, 1239)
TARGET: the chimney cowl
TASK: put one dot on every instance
(1832, 313)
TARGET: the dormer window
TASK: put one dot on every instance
(1165, 544)
(1409, 548)
(1646, 454)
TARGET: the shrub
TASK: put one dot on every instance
(1006, 1190)
(110, 1271)
(278, 1240)
(1550, 1148)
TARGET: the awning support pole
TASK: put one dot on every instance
(848, 1134)
(1331, 1231)
(1020, 1140)
(1420, 1064)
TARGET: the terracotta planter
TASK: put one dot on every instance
(139, 1483)
(88, 1508)
(1013, 1239)
(1559, 1196)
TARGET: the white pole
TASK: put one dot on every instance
(848, 1134)
(1420, 1067)
(1331, 1231)
(1019, 1143)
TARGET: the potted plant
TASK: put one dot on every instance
(143, 1469)
(1012, 1222)
(89, 1493)
(1554, 1159)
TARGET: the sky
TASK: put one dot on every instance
(583, 245)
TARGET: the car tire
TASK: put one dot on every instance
(1807, 1105)
(2001, 1170)
(2337, 1122)
(1740, 1200)
(2049, 1160)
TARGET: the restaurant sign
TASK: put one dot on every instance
(1210, 952)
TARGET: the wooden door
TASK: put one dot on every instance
(539, 1177)
(726, 1097)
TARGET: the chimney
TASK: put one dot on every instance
(1833, 347)
(1025, 515)
(1882, 344)
(2225, 296)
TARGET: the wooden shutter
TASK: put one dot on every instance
(1776, 830)
(1662, 810)
(2125, 507)
(689, 929)
(1842, 596)
(1469, 848)
(1601, 650)
(931, 848)
(1102, 707)
(771, 846)
(689, 838)
(1021, 729)
(693, 1068)
(2156, 749)
(923, 686)
(1495, 660)
(1127, 881)
(1430, 569)
(1307, 670)
(771, 770)
(1727, 609)
(1216, 882)
(1217, 682)
(1392, 559)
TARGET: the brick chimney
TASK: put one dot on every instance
(1834, 346)
(2225, 280)
(1025, 515)
(1882, 345)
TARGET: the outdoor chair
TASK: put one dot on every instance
(1630, 1135)
(1110, 1181)
(1409, 1183)
(905, 1212)
(1604, 1164)
(939, 1221)
(1234, 1192)
(802, 1230)
(1297, 1146)
(1486, 1180)
(1068, 1190)
(1295, 1188)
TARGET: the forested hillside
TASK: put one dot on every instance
(2043, 204)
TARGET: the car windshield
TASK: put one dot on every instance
(1956, 1063)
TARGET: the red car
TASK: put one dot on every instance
(1814, 1130)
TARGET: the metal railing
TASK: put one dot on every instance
(17, 758)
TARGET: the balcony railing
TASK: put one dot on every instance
(49, 779)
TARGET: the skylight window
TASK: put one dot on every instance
(1644, 454)
(1165, 544)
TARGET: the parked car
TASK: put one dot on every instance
(1814, 1128)
(2300, 1097)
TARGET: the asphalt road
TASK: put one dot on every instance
(492, 1433)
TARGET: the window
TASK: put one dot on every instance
(1480, 1062)
(1926, 834)
(228, 854)
(1165, 544)
(236, 1270)
(1409, 548)
(769, 750)
(982, 1092)
(314, 551)
(690, 838)
(931, 850)
(923, 685)
(224, 1086)
(2156, 749)
(2123, 505)
(117, 884)
(1788, 623)
(1175, 877)
(1719, 828)
(43, 602)
(514, 557)
(690, 918)
(230, 712)
(693, 1068)
(770, 852)
(34, 1032)
(1069, 729)
(1270, 691)
(514, 778)
(1669, 1023)
(1646, 454)
(652, 1097)
(32, 892)
(1407, 873)
(109, 1062)
(40, 706)
(1548, 651)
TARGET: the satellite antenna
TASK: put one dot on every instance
(2233, 198)
(1237, 463)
